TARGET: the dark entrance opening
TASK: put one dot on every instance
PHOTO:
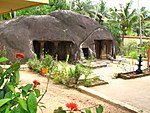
(61, 48)
(48, 48)
(36, 47)
(86, 52)
(98, 48)
(103, 49)
(64, 49)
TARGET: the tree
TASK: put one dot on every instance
(145, 21)
(84, 8)
(45, 9)
(101, 12)
(127, 19)
(6, 16)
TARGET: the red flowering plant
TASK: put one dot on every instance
(72, 106)
(20, 56)
(15, 98)
(35, 82)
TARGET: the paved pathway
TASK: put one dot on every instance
(135, 92)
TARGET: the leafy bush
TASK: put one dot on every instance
(127, 48)
(34, 64)
(46, 61)
(144, 49)
(131, 49)
(87, 82)
(65, 74)
(14, 98)
(71, 75)
(133, 54)
(74, 107)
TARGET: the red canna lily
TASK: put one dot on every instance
(19, 55)
(72, 106)
(36, 83)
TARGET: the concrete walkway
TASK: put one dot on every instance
(133, 92)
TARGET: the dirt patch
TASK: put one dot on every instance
(59, 95)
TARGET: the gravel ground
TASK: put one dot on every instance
(59, 95)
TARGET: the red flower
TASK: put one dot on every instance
(36, 83)
(72, 106)
(19, 55)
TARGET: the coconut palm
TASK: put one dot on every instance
(127, 19)
(144, 14)
(101, 12)
(84, 7)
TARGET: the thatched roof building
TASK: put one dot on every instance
(61, 32)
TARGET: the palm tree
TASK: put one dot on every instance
(84, 7)
(101, 12)
(126, 18)
(145, 21)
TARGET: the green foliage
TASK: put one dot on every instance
(59, 78)
(132, 50)
(6, 16)
(67, 74)
(32, 102)
(44, 9)
(46, 61)
(127, 48)
(75, 73)
(14, 98)
(88, 111)
(84, 7)
(87, 82)
(98, 109)
(70, 75)
(122, 21)
(133, 54)
(114, 27)
(144, 48)
(34, 64)
(146, 28)
(3, 59)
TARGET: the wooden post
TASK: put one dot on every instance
(41, 48)
(148, 59)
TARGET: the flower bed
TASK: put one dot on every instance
(132, 75)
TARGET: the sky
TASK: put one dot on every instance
(112, 3)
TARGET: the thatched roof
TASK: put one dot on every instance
(18, 33)
(59, 25)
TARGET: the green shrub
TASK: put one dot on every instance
(14, 98)
(33, 63)
(59, 79)
(133, 54)
(87, 82)
(36, 64)
(127, 48)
